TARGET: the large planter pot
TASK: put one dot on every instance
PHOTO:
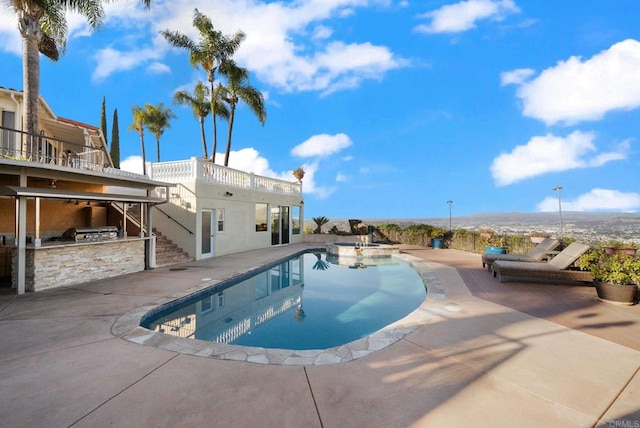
(616, 293)
(613, 250)
(491, 249)
(436, 243)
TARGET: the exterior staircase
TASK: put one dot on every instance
(168, 253)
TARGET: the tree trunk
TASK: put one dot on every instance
(144, 157)
(31, 34)
(232, 113)
(213, 121)
(204, 138)
(158, 147)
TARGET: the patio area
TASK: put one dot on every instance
(492, 354)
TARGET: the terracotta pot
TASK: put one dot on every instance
(613, 250)
(623, 294)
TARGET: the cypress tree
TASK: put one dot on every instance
(115, 141)
(103, 120)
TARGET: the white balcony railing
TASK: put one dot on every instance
(201, 170)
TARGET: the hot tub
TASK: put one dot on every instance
(357, 249)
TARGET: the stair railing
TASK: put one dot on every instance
(130, 218)
(174, 220)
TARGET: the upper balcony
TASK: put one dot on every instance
(53, 155)
(202, 170)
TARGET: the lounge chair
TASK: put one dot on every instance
(535, 255)
(555, 269)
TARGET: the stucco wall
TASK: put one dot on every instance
(240, 216)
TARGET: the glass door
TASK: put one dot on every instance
(284, 220)
(275, 225)
(207, 237)
(280, 225)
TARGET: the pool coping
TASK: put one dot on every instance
(128, 327)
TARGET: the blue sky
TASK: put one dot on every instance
(391, 107)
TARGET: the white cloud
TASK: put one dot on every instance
(132, 164)
(341, 178)
(549, 153)
(158, 68)
(595, 200)
(459, 17)
(10, 40)
(322, 32)
(515, 77)
(111, 60)
(576, 90)
(321, 145)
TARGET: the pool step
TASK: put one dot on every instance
(168, 253)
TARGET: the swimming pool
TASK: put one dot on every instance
(306, 302)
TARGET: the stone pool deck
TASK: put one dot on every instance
(485, 354)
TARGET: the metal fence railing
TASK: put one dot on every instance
(44, 149)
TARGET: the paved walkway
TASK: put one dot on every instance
(490, 354)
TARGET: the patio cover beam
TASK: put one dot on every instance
(37, 192)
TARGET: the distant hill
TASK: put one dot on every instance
(581, 225)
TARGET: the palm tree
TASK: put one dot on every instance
(200, 107)
(319, 221)
(158, 119)
(209, 52)
(43, 27)
(140, 120)
(239, 89)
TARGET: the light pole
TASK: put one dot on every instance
(559, 188)
(450, 202)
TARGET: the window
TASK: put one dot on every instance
(8, 138)
(295, 220)
(220, 299)
(207, 305)
(261, 217)
(220, 220)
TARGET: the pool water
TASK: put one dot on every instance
(306, 302)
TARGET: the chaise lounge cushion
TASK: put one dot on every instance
(535, 255)
(555, 269)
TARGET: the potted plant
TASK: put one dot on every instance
(495, 245)
(438, 238)
(612, 247)
(615, 276)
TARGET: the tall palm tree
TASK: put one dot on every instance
(239, 89)
(200, 107)
(158, 120)
(209, 52)
(43, 28)
(140, 119)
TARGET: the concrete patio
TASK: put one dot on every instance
(496, 355)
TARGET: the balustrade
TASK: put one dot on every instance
(200, 169)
